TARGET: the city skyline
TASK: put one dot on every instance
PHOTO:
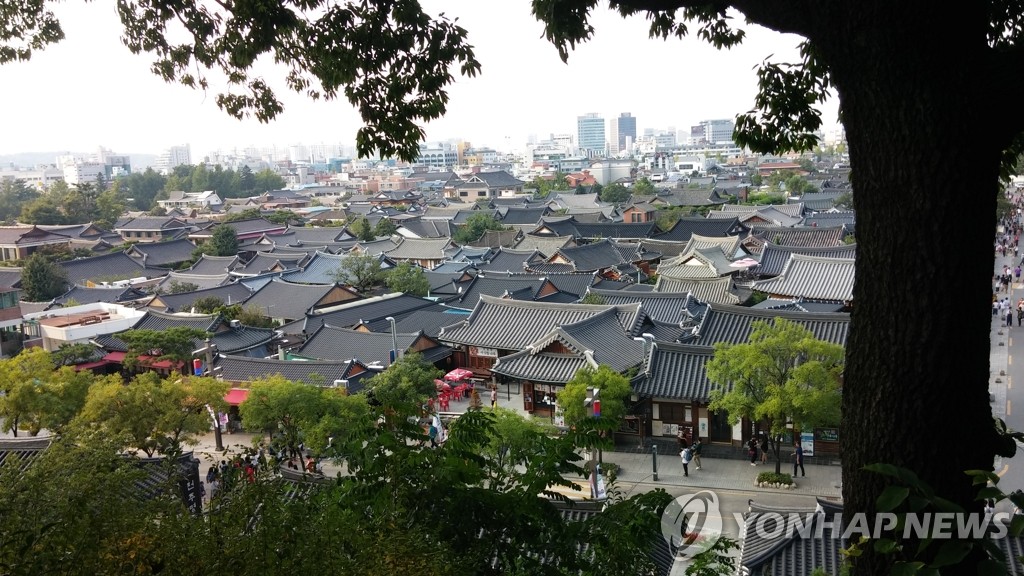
(90, 91)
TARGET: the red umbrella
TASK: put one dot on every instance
(458, 374)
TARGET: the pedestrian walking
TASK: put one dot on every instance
(697, 447)
(752, 450)
(764, 448)
(681, 438)
(798, 459)
(686, 455)
(494, 397)
(1009, 319)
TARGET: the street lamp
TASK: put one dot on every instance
(394, 339)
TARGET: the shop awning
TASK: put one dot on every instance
(236, 396)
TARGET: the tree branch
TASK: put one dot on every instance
(779, 15)
(1006, 69)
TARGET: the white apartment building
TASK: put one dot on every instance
(39, 178)
(84, 172)
(173, 157)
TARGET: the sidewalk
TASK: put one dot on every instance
(635, 468)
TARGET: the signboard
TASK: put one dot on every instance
(702, 427)
(827, 434)
(807, 443)
(485, 352)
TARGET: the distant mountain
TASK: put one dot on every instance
(29, 159)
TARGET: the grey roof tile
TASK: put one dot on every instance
(803, 236)
(366, 310)
(245, 369)
(163, 253)
(686, 227)
(117, 266)
(213, 265)
(288, 300)
(333, 343)
(677, 372)
(230, 294)
(718, 290)
(732, 324)
(775, 257)
(813, 278)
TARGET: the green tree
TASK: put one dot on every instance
(475, 227)
(208, 304)
(141, 188)
(361, 271)
(614, 392)
(405, 386)
(284, 409)
(22, 380)
(174, 344)
(42, 280)
(591, 298)
(407, 278)
(109, 207)
(71, 354)
(644, 187)
(514, 440)
(151, 413)
(384, 227)
(44, 211)
(14, 193)
(267, 180)
(176, 287)
(782, 375)
(615, 193)
(361, 229)
(246, 180)
(224, 241)
(960, 115)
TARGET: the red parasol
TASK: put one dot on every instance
(458, 374)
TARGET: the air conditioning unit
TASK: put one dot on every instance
(236, 323)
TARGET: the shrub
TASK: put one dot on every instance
(773, 478)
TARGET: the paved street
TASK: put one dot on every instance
(1008, 401)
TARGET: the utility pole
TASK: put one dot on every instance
(208, 350)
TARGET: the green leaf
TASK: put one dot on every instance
(891, 497)
(905, 568)
(951, 552)
(990, 567)
(885, 545)
(982, 477)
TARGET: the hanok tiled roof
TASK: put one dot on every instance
(85, 295)
(10, 277)
(230, 294)
(262, 263)
(510, 216)
(589, 257)
(706, 263)
(572, 200)
(243, 227)
(202, 281)
(213, 265)
(547, 245)
(730, 245)
(845, 218)
(419, 249)
(376, 247)
(799, 305)
(163, 253)
(499, 179)
(601, 335)
(117, 266)
(429, 320)
(152, 223)
(245, 369)
(775, 257)
(502, 286)
(812, 278)
(718, 290)
(244, 341)
(288, 300)
(366, 310)
(676, 372)
(774, 544)
(319, 235)
(488, 324)
(160, 321)
(732, 324)
(696, 197)
(498, 238)
(616, 229)
(426, 228)
(21, 452)
(469, 254)
(511, 260)
(333, 343)
(321, 268)
(686, 227)
(803, 236)
(669, 307)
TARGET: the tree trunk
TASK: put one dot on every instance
(920, 125)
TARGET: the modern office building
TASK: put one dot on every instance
(712, 132)
(622, 133)
(590, 134)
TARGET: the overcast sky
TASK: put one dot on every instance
(90, 91)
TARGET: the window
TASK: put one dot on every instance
(463, 193)
(482, 193)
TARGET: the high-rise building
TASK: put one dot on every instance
(172, 157)
(622, 133)
(712, 132)
(590, 134)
